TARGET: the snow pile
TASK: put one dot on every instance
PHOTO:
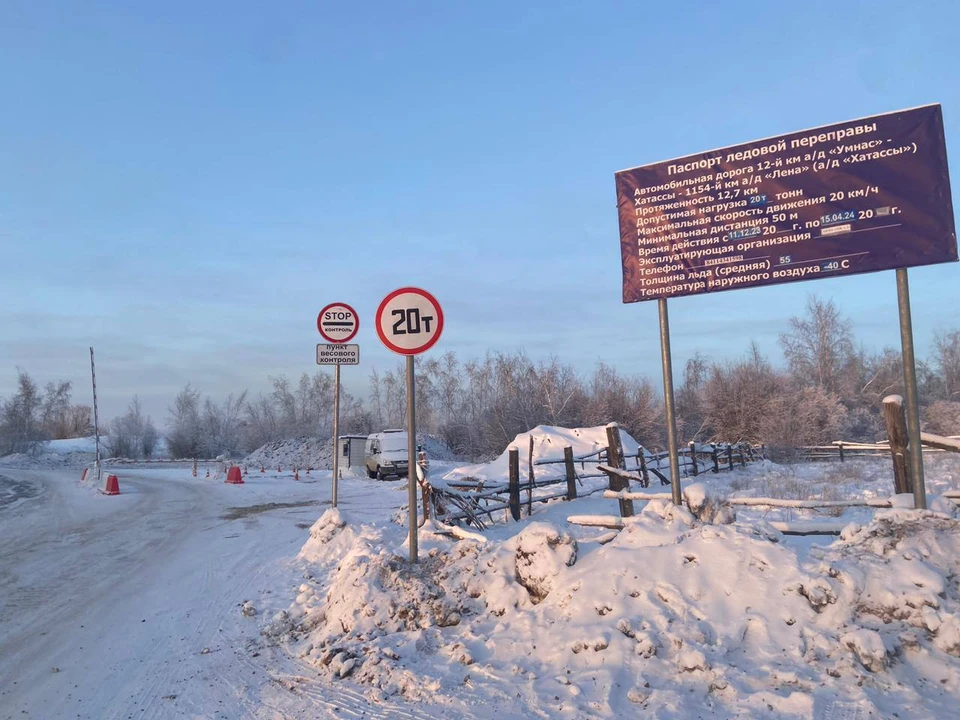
(317, 452)
(300, 452)
(548, 444)
(671, 616)
(435, 447)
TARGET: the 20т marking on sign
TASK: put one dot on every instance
(409, 322)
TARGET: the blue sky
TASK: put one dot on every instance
(184, 185)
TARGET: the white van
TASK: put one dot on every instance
(386, 454)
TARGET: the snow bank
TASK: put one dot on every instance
(300, 452)
(316, 452)
(548, 444)
(671, 616)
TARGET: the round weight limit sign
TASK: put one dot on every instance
(409, 321)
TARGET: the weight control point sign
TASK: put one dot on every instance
(855, 197)
(338, 354)
(409, 321)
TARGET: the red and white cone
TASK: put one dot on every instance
(112, 486)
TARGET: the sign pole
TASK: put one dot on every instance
(910, 385)
(668, 400)
(411, 456)
(96, 416)
(338, 323)
(336, 430)
(409, 321)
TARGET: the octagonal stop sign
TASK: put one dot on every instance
(409, 321)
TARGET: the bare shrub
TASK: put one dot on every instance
(942, 418)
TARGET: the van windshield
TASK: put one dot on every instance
(393, 442)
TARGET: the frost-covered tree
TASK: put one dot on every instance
(54, 413)
(132, 435)
(184, 427)
(946, 360)
(819, 347)
(738, 396)
(21, 427)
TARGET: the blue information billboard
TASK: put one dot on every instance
(860, 196)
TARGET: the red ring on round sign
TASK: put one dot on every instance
(429, 298)
(356, 326)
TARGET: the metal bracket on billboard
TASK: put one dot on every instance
(855, 197)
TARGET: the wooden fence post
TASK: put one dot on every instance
(571, 473)
(693, 457)
(514, 486)
(840, 447)
(743, 455)
(614, 446)
(714, 457)
(530, 486)
(730, 456)
(615, 459)
(643, 468)
(896, 422)
(617, 484)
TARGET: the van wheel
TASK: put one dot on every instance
(371, 474)
(380, 474)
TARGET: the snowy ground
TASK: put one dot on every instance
(133, 606)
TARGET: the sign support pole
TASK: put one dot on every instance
(910, 385)
(412, 455)
(668, 401)
(96, 416)
(336, 430)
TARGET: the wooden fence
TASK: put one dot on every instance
(844, 449)
(479, 504)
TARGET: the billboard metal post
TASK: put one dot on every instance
(668, 400)
(411, 455)
(910, 385)
(336, 430)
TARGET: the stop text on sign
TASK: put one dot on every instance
(338, 323)
(409, 321)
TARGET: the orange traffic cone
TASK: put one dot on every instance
(233, 476)
(112, 486)
(83, 478)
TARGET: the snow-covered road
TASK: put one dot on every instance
(130, 606)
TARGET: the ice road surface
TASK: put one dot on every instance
(189, 598)
(133, 606)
